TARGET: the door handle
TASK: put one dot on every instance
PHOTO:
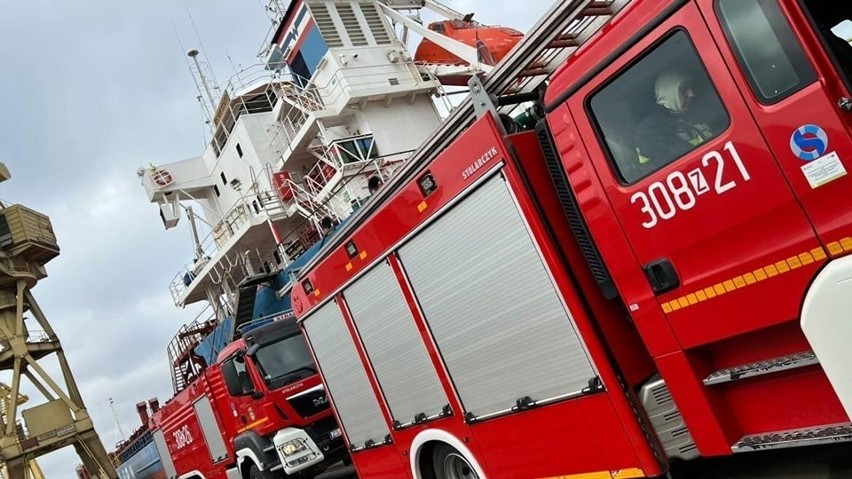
(662, 276)
(845, 104)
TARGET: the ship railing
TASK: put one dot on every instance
(333, 89)
(250, 91)
(246, 209)
(311, 97)
(306, 98)
(38, 336)
(338, 205)
(183, 363)
(283, 132)
(322, 173)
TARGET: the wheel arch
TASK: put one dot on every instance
(249, 447)
(425, 442)
(824, 321)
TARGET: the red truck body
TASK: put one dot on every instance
(573, 302)
(210, 430)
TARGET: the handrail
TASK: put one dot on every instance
(233, 222)
(293, 235)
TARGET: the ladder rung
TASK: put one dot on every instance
(597, 9)
(567, 43)
(533, 72)
(759, 368)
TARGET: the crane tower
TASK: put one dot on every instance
(27, 243)
(33, 471)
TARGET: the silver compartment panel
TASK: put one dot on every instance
(500, 325)
(396, 350)
(344, 376)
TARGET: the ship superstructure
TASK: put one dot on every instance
(295, 140)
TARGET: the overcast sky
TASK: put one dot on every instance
(92, 90)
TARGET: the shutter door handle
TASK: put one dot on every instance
(662, 276)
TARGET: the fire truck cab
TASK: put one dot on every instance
(658, 273)
(261, 410)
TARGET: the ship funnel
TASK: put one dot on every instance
(155, 405)
(142, 409)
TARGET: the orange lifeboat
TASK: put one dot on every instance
(493, 43)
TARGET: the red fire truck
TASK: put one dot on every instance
(261, 410)
(659, 272)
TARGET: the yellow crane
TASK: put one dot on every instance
(27, 243)
(32, 470)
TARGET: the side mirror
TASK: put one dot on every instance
(232, 381)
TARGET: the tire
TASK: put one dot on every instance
(256, 473)
(448, 463)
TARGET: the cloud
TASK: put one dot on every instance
(92, 90)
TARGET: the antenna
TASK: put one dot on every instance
(193, 54)
(119, 432)
(194, 68)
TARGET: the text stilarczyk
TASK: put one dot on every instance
(479, 163)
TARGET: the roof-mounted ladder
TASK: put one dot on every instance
(561, 31)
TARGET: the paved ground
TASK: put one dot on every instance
(818, 462)
(339, 472)
(826, 462)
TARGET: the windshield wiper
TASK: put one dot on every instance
(296, 374)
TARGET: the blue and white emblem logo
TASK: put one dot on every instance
(809, 142)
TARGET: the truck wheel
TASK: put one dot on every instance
(451, 464)
(255, 473)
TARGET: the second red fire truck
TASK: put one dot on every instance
(659, 272)
(260, 411)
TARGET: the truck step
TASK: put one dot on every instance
(769, 366)
(809, 436)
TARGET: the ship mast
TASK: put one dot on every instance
(119, 432)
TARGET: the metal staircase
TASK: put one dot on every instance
(245, 304)
(185, 364)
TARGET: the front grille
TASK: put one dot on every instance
(310, 403)
(320, 432)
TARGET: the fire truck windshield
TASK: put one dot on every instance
(284, 361)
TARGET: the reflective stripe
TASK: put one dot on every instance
(632, 473)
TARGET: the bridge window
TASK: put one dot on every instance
(766, 49)
(661, 108)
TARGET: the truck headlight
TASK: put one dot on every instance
(295, 446)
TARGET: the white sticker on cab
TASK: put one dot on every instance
(824, 170)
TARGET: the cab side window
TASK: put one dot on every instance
(765, 47)
(237, 378)
(659, 109)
